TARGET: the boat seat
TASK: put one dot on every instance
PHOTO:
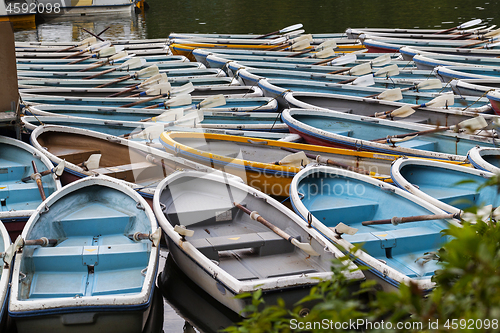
(21, 193)
(342, 132)
(74, 156)
(12, 171)
(460, 198)
(94, 218)
(418, 144)
(202, 217)
(266, 243)
(128, 172)
(341, 209)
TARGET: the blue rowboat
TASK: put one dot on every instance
(92, 271)
(333, 199)
(448, 187)
(77, 83)
(186, 73)
(18, 198)
(88, 106)
(58, 69)
(217, 256)
(4, 277)
(487, 159)
(368, 107)
(408, 53)
(336, 129)
(448, 73)
(276, 88)
(149, 59)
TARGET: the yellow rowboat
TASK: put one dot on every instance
(270, 165)
(186, 49)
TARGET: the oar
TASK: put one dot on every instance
(323, 160)
(155, 237)
(103, 53)
(184, 89)
(121, 55)
(402, 112)
(465, 25)
(398, 220)
(444, 100)
(38, 178)
(470, 125)
(387, 71)
(92, 162)
(129, 64)
(338, 61)
(179, 100)
(150, 72)
(91, 48)
(326, 53)
(323, 46)
(425, 85)
(300, 45)
(293, 43)
(86, 42)
(364, 81)
(282, 31)
(306, 247)
(363, 68)
(57, 170)
(162, 88)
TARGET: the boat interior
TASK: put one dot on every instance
(15, 164)
(94, 254)
(333, 199)
(242, 247)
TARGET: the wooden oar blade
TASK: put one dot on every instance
(184, 89)
(291, 34)
(59, 169)
(391, 70)
(343, 60)
(159, 89)
(181, 230)
(291, 28)
(149, 133)
(119, 55)
(391, 95)
(170, 115)
(381, 60)
(182, 99)
(107, 52)
(147, 72)
(430, 84)
(276, 41)
(307, 37)
(442, 101)
(326, 45)
(306, 247)
(473, 124)
(360, 69)
(469, 24)
(364, 81)
(403, 112)
(212, 102)
(93, 162)
(134, 63)
(162, 77)
(300, 45)
(325, 53)
(298, 159)
(406, 138)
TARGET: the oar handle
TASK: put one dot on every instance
(120, 79)
(255, 216)
(100, 64)
(38, 179)
(72, 55)
(398, 220)
(145, 100)
(32, 176)
(101, 73)
(80, 60)
(322, 62)
(41, 241)
(267, 35)
(279, 47)
(462, 36)
(351, 80)
(299, 53)
(341, 71)
(445, 31)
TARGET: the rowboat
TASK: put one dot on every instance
(229, 253)
(494, 98)
(269, 165)
(378, 46)
(409, 53)
(59, 69)
(77, 83)
(487, 159)
(338, 201)
(4, 277)
(98, 266)
(336, 129)
(185, 73)
(152, 59)
(20, 198)
(418, 43)
(448, 73)
(452, 188)
(89, 153)
(277, 88)
(474, 87)
(291, 33)
(417, 34)
(249, 121)
(123, 128)
(369, 106)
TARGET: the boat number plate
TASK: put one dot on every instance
(225, 215)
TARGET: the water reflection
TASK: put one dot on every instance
(200, 311)
(66, 29)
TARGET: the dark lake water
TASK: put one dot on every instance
(182, 306)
